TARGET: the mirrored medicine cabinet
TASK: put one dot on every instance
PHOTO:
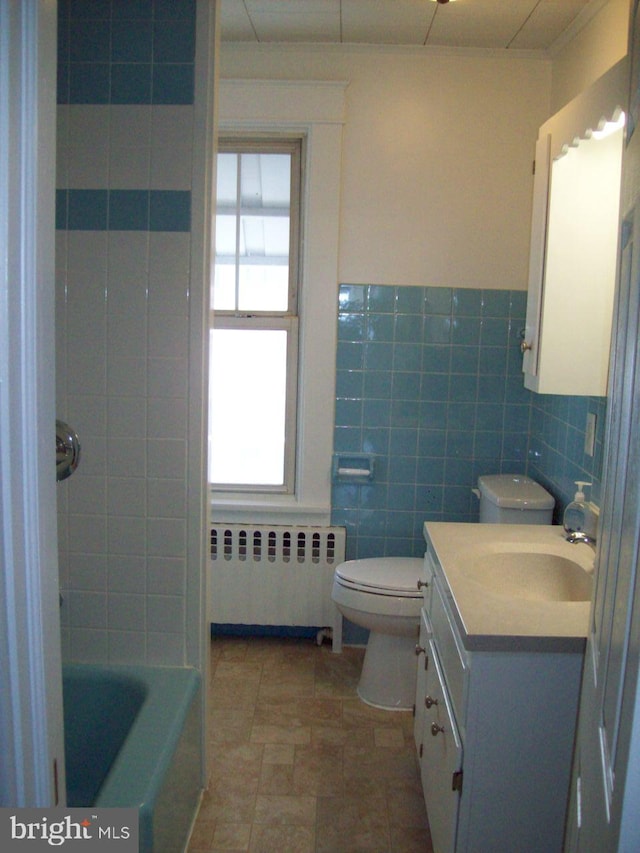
(574, 240)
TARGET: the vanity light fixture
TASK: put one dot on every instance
(609, 127)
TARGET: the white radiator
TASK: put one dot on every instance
(274, 574)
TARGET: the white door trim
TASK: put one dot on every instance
(31, 731)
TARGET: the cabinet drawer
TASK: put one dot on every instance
(452, 655)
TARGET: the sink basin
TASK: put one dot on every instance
(534, 576)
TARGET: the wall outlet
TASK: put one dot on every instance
(590, 434)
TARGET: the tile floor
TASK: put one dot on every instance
(298, 763)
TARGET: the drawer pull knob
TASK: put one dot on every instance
(436, 729)
(422, 584)
(420, 650)
(428, 701)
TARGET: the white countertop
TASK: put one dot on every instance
(495, 619)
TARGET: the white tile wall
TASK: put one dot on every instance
(122, 374)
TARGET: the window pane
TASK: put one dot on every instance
(247, 406)
(227, 179)
(253, 231)
(224, 289)
(263, 288)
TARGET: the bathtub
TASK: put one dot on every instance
(133, 739)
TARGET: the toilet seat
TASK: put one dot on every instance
(392, 576)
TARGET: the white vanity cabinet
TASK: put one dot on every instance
(495, 725)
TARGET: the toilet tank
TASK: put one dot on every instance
(513, 499)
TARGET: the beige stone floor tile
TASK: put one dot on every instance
(229, 693)
(230, 759)
(202, 835)
(227, 806)
(381, 763)
(338, 679)
(276, 779)
(279, 712)
(237, 669)
(282, 839)
(296, 713)
(319, 711)
(231, 836)
(329, 735)
(406, 807)
(299, 764)
(280, 734)
(227, 733)
(352, 823)
(278, 753)
(318, 770)
(410, 840)
(289, 810)
(280, 685)
(388, 737)
(233, 648)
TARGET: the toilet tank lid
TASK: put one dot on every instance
(514, 491)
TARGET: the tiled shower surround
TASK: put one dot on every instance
(429, 382)
(124, 300)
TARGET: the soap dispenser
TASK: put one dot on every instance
(578, 516)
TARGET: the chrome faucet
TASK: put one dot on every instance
(577, 536)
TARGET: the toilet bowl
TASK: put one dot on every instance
(381, 594)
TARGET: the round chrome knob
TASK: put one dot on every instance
(422, 584)
(436, 729)
(419, 650)
(524, 346)
(428, 701)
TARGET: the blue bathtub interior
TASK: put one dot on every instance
(133, 739)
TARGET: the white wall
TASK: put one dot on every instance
(595, 49)
(437, 154)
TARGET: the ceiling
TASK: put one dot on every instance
(498, 24)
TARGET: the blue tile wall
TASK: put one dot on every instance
(121, 52)
(429, 381)
(556, 450)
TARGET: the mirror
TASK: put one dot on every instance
(572, 271)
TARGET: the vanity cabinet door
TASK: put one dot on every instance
(422, 652)
(441, 765)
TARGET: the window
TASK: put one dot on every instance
(312, 112)
(254, 333)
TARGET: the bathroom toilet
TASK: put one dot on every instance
(382, 593)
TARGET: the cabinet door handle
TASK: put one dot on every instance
(420, 650)
(422, 584)
(524, 346)
(428, 701)
(436, 729)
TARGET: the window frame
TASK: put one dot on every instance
(316, 111)
(287, 319)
